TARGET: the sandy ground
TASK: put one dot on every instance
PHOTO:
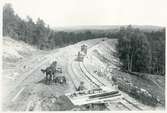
(23, 83)
(24, 87)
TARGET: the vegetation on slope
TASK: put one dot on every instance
(142, 52)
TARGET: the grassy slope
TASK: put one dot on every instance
(151, 85)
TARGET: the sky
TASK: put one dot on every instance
(61, 13)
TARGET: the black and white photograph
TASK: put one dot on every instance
(83, 55)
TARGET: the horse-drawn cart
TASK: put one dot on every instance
(54, 74)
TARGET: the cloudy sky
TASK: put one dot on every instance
(58, 13)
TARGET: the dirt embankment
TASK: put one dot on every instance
(149, 89)
(14, 50)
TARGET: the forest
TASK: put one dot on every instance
(40, 34)
(138, 50)
(141, 51)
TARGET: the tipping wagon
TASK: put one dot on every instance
(82, 53)
(84, 48)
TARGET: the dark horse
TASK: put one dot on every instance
(49, 74)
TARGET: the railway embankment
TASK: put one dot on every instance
(137, 85)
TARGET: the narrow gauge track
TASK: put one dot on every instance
(129, 105)
(125, 106)
(82, 77)
(96, 84)
(90, 74)
(134, 105)
(73, 76)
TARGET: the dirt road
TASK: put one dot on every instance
(27, 89)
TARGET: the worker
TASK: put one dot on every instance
(81, 86)
(53, 69)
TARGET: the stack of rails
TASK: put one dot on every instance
(93, 96)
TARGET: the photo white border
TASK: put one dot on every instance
(163, 22)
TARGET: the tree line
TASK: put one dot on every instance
(38, 33)
(141, 51)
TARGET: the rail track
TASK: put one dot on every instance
(132, 104)
(89, 76)
(83, 67)
(88, 84)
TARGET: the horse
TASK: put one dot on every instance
(49, 74)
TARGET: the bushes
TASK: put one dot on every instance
(144, 96)
(138, 93)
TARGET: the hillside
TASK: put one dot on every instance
(14, 50)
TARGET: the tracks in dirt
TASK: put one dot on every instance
(29, 74)
(15, 96)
